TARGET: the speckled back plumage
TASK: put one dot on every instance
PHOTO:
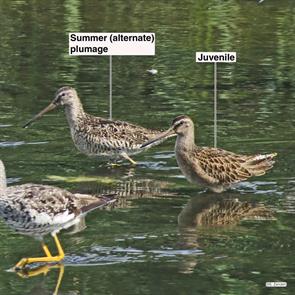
(37, 210)
(214, 168)
(97, 136)
(219, 168)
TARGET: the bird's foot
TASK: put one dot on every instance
(25, 261)
(114, 165)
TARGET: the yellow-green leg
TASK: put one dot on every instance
(46, 250)
(125, 156)
(49, 258)
(60, 250)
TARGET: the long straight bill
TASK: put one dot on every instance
(49, 108)
(162, 136)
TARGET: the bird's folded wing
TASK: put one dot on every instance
(220, 166)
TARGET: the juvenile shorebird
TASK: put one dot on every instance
(214, 168)
(95, 136)
(37, 210)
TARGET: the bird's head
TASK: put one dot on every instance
(181, 125)
(64, 96)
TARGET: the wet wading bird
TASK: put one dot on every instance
(37, 210)
(214, 168)
(95, 136)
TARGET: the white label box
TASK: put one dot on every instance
(112, 44)
(224, 56)
(276, 284)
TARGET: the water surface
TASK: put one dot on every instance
(152, 242)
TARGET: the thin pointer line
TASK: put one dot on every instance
(111, 99)
(215, 104)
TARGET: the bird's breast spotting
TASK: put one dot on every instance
(97, 145)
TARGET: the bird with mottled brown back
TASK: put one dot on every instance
(37, 210)
(96, 136)
(214, 168)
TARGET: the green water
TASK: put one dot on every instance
(150, 243)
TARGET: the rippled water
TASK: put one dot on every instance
(164, 236)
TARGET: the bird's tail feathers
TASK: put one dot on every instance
(102, 201)
(259, 164)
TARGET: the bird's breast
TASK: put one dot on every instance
(190, 167)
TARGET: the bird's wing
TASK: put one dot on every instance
(116, 131)
(41, 203)
(220, 166)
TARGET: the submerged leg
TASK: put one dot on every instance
(49, 258)
(125, 156)
(114, 165)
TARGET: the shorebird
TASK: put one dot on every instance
(96, 136)
(214, 168)
(37, 210)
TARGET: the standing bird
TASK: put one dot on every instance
(214, 168)
(37, 210)
(95, 136)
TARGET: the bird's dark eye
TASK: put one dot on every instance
(179, 124)
(63, 94)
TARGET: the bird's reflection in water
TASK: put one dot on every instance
(131, 188)
(204, 212)
(126, 191)
(43, 270)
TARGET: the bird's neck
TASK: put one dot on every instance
(74, 111)
(2, 179)
(185, 141)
